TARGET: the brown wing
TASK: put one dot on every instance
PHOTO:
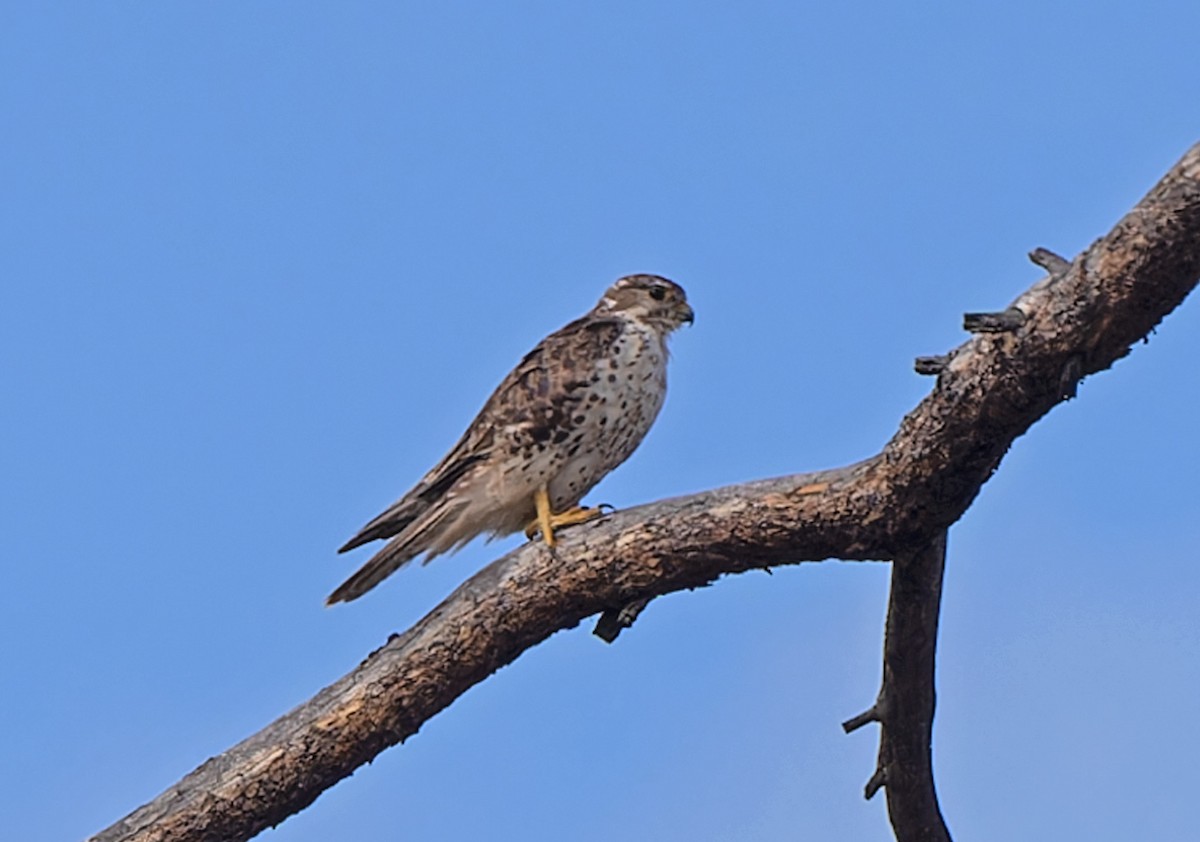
(537, 400)
(532, 406)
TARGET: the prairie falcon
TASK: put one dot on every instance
(572, 410)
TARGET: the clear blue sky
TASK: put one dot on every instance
(261, 263)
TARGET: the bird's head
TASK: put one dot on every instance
(648, 298)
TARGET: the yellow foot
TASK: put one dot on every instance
(547, 521)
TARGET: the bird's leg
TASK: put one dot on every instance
(541, 500)
(547, 520)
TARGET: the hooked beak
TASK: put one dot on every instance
(688, 315)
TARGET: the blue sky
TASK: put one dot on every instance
(262, 263)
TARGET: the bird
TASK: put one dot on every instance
(572, 410)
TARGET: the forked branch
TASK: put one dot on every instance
(1076, 321)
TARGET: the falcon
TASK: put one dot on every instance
(573, 409)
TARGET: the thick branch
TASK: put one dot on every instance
(994, 387)
(907, 700)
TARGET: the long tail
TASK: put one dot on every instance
(426, 533)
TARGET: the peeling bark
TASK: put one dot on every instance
(1078, 320)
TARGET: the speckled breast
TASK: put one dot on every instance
(618, 410)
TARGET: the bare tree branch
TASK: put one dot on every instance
(1002, 322)
(931, 365)
(906, 701)
(992, 388)
(613, 621)
(1048, 260)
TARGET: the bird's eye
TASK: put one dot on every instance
(658, 293)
